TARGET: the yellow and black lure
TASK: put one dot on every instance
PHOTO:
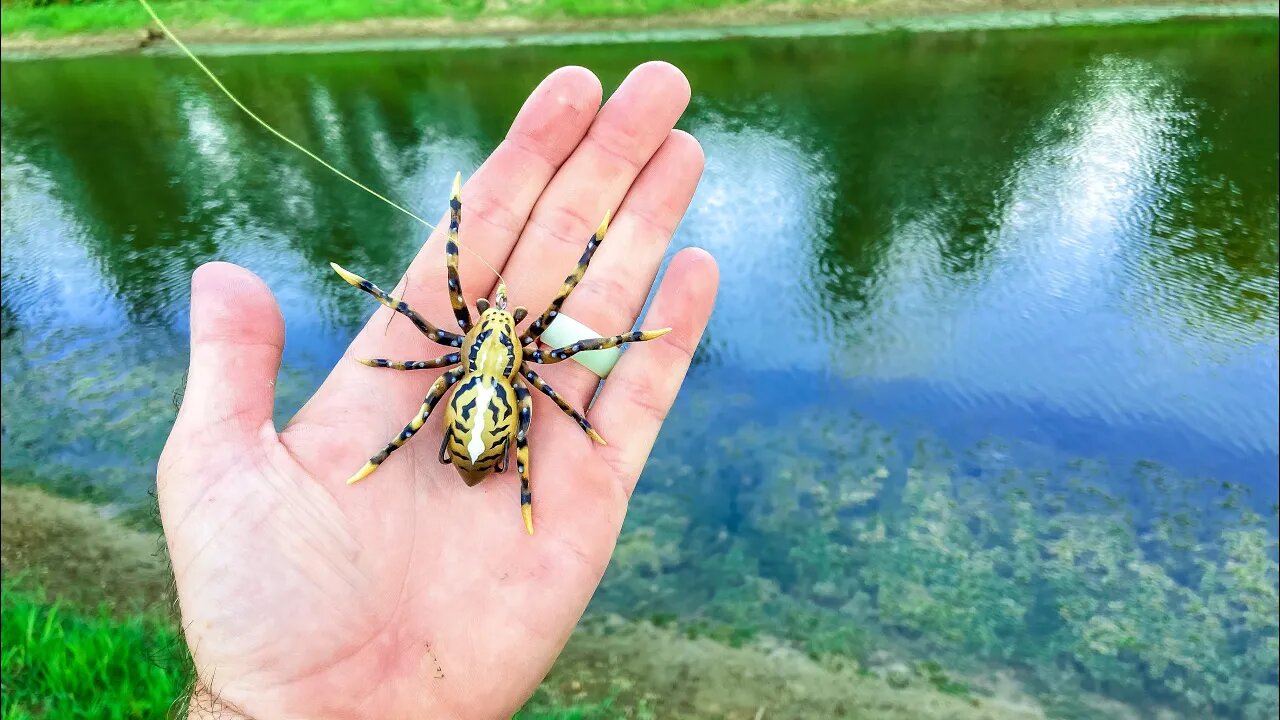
(491, 408)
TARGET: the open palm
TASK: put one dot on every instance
(411, 595)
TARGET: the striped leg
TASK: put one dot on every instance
(522, 453)
(560, 402)
(456, 299)
(537, 327)
(428, 404)
(444, 337)
(442, 361)
(551, 357)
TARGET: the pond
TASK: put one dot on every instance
(992, 375)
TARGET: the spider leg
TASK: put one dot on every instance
(444, 337)
(522, 453)
(501, 467)
(428, 404)
(444, 447)
(451, 253)
(539, 325)
(442, 361)
(550, 357)
(560, 402)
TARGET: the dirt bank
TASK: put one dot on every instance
(77, 554)
(502, 27)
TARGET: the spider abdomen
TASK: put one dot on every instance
(480, 426)
(481, 420)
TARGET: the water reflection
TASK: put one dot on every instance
(1071, 252)
(1034, 272)
(764, 197)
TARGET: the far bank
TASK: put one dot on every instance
(235, 26)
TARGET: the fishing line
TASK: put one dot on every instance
(186, 51)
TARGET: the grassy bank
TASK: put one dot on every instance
(28, 25)
(62, 661)
(65, 661)
(89, 632)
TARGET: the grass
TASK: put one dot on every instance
(542, 707)
(60, 662)
(46, 20)
(67, 663)
(54, 20)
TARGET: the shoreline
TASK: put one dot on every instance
(58, 550)
(767, 20)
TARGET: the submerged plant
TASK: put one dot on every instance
(1149, 598)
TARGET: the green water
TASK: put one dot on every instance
(992, 378)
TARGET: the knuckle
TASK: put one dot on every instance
(492, 209)
(539, 148)
(620, 143)
(657, 226)
(682, 348)
(608, 297)
(623, 474)
(644, 395)
(563, 223)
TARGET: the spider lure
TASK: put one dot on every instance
(492, 368)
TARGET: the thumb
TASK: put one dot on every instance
(237, 335)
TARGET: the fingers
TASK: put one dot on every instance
(497, 200)
(613, 291)
(639, 393)
(237, 335)
(630, 128)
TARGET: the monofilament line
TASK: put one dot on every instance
(169, 34)
(186, 51)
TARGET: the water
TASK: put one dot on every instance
(1003, 288)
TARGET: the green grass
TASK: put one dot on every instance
(41, 20)
(63, 662)
(60, 662)
(542, 707)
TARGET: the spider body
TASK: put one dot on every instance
(480, 423)
(491, 371)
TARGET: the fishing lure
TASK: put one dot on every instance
(491, 409)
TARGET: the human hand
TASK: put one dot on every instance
(411, 595)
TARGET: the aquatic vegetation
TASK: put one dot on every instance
(90, 424)
(51, 381)
(1151, 598)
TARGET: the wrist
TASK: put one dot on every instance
(202, 704)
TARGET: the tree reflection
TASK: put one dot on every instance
(1214, 237)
